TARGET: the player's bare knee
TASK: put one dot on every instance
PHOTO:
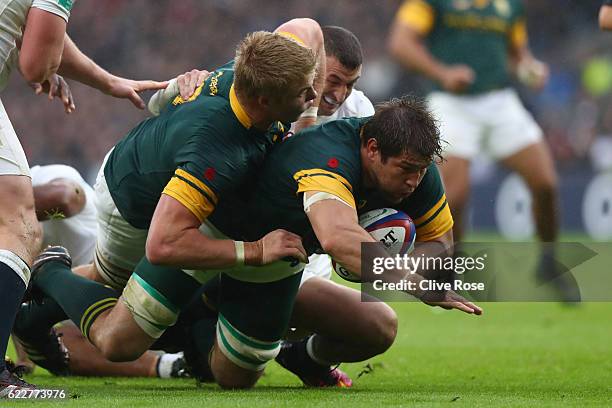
(118, 350)
(233, 383)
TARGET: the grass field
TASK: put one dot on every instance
(516, 354)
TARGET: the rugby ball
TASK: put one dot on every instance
(395, 229)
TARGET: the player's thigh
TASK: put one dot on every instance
(253, 317)
(119, 246)
(333, 310)
(20, 231)
(512, 128)
(535, 165)
(455, 173)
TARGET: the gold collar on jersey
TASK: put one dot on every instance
(239, 111)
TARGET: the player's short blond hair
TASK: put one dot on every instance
(267, 64)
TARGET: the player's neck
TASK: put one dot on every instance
(257, 115)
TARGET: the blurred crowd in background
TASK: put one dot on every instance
(146, 39)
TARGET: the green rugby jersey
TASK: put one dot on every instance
(477, 33)
(197, 151)
(327, 158)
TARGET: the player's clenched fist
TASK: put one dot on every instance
(273, 247)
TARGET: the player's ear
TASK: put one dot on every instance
(372, 147)
(263, 101)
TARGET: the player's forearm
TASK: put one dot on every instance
(408, 50)
(343, 244)
(190, 249)
(76, 65)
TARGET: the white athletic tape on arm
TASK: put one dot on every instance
(239, 252)
(320, 196)
(162, 97)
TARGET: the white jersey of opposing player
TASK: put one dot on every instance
(76, 233)
(356, 105)
(13, 15)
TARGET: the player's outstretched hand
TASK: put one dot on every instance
(280, 244)
(56, 87)
(190, 81)
(449, 299)
(129, 89)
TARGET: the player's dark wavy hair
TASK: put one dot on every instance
(404, 125)
(343, 45)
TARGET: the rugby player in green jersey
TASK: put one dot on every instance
(315, 184)
(170, 176)
(468, 48)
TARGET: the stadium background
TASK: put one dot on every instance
(159, 40)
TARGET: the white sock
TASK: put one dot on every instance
(164, 364)
(311, 354)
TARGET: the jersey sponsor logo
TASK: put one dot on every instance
(472, 21)
(214, 82)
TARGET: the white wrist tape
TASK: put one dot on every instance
(239, 252)
(162, 97)
(310, 112)
(320, 196)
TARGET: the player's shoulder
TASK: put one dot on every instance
(334, 144)
(356, 105)
(44, 174)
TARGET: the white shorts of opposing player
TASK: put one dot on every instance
(319, 266)
(495, 122)
(12, 157)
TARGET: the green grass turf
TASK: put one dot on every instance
(541, 354)
(516, 354)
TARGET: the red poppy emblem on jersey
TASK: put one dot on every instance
(209, 174)
(333, 163)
